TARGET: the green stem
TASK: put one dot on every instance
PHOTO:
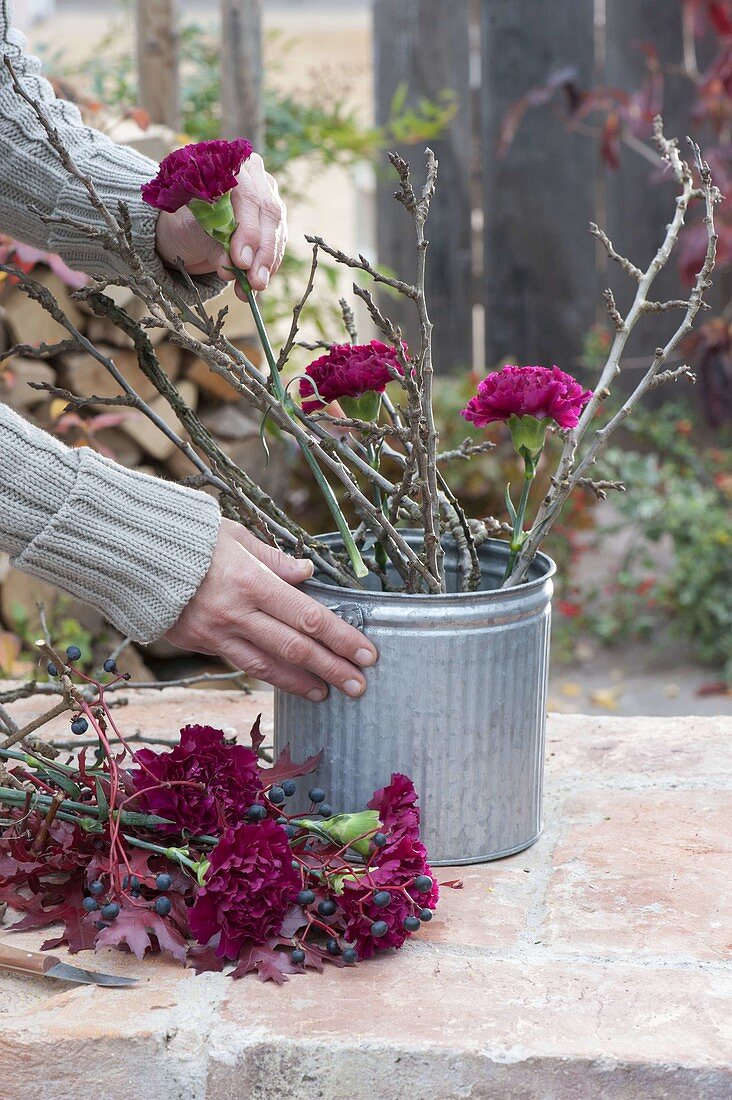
(175, 855)
(374, 454)
(518, 537)
(288, 405)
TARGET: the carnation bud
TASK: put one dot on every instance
(215, 218)
(365, 407)
(528, 435)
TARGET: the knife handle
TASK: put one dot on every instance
(27, 962)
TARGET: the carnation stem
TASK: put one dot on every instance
(288, 405)
(519, 535)
(175, 855)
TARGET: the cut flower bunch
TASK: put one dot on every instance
(152, 850)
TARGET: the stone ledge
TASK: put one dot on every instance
(595, 964)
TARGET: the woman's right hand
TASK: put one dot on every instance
(248, 611)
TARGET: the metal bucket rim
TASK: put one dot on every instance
(548, 564)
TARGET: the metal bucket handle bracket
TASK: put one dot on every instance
(351, 613)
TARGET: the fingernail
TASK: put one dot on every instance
(246, 256)
(263, 275)
(316, 695)
(365, 657)
(353, 687)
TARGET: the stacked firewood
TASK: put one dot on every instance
(122, 434)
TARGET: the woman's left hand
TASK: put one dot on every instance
(258, 244)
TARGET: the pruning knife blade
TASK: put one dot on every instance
(50, 966)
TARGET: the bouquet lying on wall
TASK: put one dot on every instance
(193, 851)
(362, 412)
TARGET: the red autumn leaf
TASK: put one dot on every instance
(270, 964)
(134, 927)
(255, 734)
(610, 144)
(285, 767)
(453, 884)
(714, 687)
(140, 116)
(204, 959)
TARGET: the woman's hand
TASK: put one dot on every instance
(258, 244)
(247, 611)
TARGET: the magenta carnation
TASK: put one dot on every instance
(397, 865)
(542, 392)
(206, 170)
(227, 778)
(349, 370)
(397, 807)
(248, 888)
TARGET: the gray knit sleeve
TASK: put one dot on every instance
(135, 547)
(32, 175)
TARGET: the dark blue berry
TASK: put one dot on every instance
(51, 669)
(379, 840)
(163, 881)
(411, 924)
(133, 882)
(79, 725)
(290, 831)
(350, 955)
(89, 905)
(423, 884)
(163, 906)
(73, 652)
(281, 820)
(382, 898)
(379, 928)
(326, 810)
(257, 813)
(327, 908)
(289, 787)
(277, 796)
(305, 897)
(100, 924)
(425, 915)
(316, 795)
(110, 665)
(298, 956)
(96, 888)
(110, 911)
(333, 947)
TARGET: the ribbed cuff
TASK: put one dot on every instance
(135, 547)
(118, 173)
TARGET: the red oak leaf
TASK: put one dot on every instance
(285, 767)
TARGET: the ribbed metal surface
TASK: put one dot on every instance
(457, 701)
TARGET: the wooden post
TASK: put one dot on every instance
(425, 45)
(157, 60)
(540, 287)
(242, 103)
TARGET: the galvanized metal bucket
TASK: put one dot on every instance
(457, 701)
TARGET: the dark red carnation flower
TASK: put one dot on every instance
(349, 370)
(397, 806)
(205, 170)
(399, 864)
(227, 777)
(540, 392)
(248, 888)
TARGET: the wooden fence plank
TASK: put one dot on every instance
(242, 106)
(424, 43)
(157, 60)
(539, 260)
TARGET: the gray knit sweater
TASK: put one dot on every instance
(135, 547)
